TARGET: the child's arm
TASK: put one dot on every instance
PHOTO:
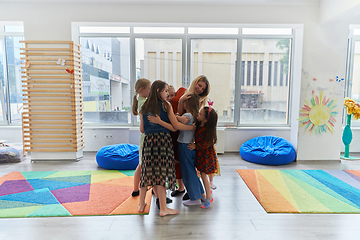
(175, 123)
(141, 124)
(183, 119)
(191, 146)
(156, 119)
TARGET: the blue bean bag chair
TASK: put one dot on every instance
(268, 150)
(118, 157)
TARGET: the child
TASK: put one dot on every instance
(174, 137)
(171, 93)
(142, 88)
(205, 138)
(187, 157)
(211, 179)
(157, 166)
(211, 176)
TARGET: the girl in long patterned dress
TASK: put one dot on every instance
(157, 166)
(205, 138)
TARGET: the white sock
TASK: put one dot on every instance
(212, 186)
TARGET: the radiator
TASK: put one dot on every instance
(220, 145)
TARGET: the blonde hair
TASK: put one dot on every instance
(140, 83)
(205, 93)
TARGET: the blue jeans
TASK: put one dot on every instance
(188, 171)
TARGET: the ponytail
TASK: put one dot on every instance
(135, 105)
(140, 83)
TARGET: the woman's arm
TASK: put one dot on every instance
(156, 119)
(184, 97)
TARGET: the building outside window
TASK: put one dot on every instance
(265, 103)
(11, 103)
(106, 79)
(177, 55)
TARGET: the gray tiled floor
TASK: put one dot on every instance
(234, 214)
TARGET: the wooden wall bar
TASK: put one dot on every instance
(53, 102)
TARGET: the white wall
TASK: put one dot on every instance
(233, 137)
(52, 21)
(324, 47)
(335, 10)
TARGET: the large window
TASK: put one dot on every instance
(249, 69)
(159, 59)
(11, 102)
(266, 59)
(216, 59)
(106, 79)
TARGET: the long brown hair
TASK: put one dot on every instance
(140, 83)
(152, 102)
(210, 126)
(205, 93)
(192, 105)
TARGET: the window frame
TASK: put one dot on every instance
(296, 46)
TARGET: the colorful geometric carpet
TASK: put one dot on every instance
(68, 193)
(305, 191)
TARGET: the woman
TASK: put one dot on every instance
(200, 86)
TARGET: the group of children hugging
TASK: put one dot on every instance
(162, 113)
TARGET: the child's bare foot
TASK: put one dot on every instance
(141, 207)
(168, 211)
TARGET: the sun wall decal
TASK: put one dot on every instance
(318, 115)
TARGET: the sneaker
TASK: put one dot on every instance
(191, 203)
(177, 192)
(213, 186)
(135, 193)
(186, 197)
(168, 200)
(203, 199)
(158, 203)
(206, 204)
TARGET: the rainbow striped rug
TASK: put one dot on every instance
(68, 193)
(305, 191)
